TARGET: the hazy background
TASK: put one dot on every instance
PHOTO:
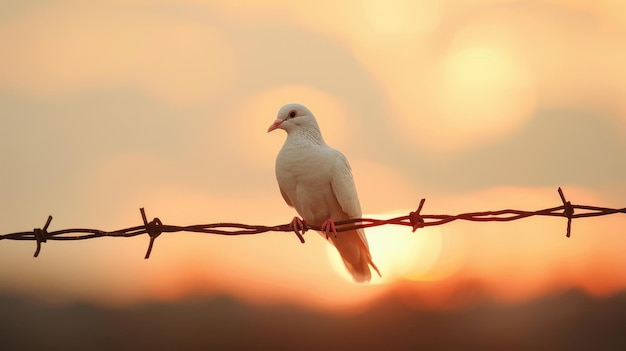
(106, 107)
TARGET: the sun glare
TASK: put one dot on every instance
(489, 90)
(480, 90)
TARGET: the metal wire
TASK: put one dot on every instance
(414, 219)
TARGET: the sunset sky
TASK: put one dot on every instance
(109, 106)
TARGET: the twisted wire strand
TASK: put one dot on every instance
(414, 219)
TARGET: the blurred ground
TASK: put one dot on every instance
(570, 321)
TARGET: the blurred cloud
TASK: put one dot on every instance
(59, 50)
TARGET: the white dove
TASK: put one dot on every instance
(317, 181)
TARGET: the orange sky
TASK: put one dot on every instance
(474, 105)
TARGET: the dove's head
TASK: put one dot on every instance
(293, 117)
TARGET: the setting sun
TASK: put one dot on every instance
(399, 254)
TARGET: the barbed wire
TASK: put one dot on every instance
(415, 220)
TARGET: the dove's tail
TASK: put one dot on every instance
(353, 248)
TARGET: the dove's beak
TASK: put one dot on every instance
(275, 124)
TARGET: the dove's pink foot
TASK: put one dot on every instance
(329, 227)
(298, 227)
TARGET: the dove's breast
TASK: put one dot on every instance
(304, 174)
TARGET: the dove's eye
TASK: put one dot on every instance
(292, 114)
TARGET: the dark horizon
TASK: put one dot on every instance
(571, 320)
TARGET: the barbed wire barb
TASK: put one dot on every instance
(153, 228)
(568, 210)
(41, 235)
(415, 220)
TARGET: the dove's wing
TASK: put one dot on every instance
(343, 187)
(352, 244)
